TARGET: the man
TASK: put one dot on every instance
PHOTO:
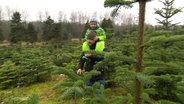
(91, 60)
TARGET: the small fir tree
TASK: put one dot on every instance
(8, 75)
(167, 12)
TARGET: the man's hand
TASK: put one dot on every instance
(79, 71)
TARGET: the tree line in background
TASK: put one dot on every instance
(16, 30)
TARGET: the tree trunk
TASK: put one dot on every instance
(139, 64)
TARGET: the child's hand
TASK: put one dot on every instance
(95, 38)
(87, 54)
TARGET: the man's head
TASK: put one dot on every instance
(90, 38)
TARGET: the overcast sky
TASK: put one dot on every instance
(33, 7)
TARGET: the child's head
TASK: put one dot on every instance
(93, 22)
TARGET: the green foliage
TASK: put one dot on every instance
(8, 75)
(1, 34)
(165, 102)
(26, 65)
(122, 99)
(72, 92)
(119, 59)
(48, 28)
(144, 79)
(163, 83)
(107, 25)
(163, 64)
(35, 66)
(75, 88)
(17, 29)
(86, 26)
(112, 3)
(33, 99)
(163, 39)
(94, 95)
(62, 59)
(55, 32)
(117, 4)
(31, 34)
(179, 30)
(125, 78)
(16, 100)
(180, 90)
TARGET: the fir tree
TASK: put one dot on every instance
(48, 29)
(85, 28)
(167, 12)
(75, 88)
(57, 31)
(107, 25)
(31, 34)
(17, 29)
(8, 75)
(1, 34)
(139, 62)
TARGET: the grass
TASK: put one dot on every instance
(44, 90)
(46, 94)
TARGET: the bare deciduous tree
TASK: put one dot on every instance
(47, 14)
(9, 12)
(25, 15)
(40, 16)
(73, 17)
(1, 14)
(61, 16)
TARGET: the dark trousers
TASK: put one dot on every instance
(101, 82)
